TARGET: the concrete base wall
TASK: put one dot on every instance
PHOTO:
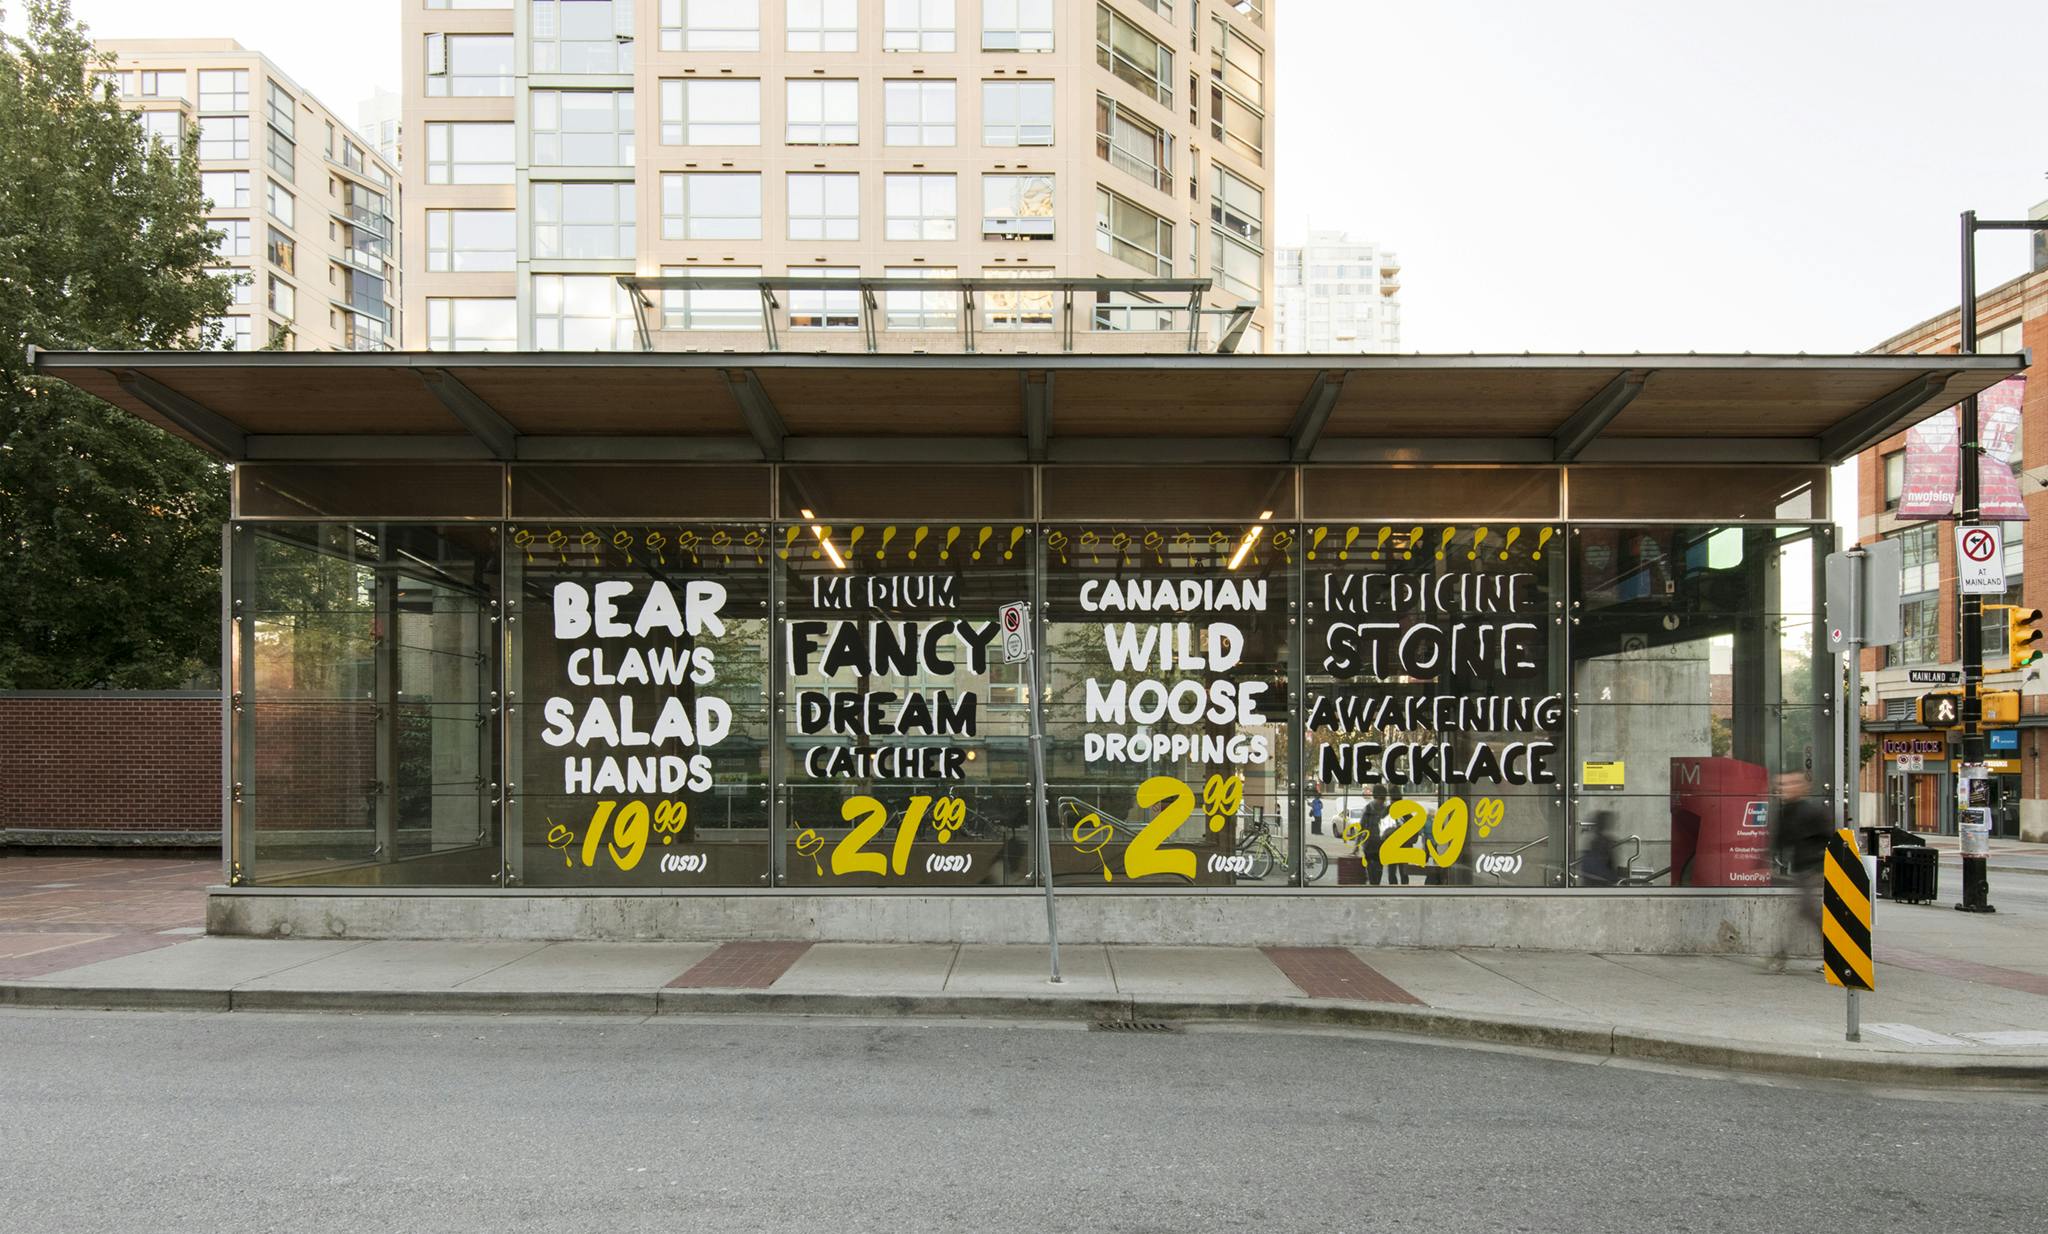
(1655, 923)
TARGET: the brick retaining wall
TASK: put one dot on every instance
(109, 767)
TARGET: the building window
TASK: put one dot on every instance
(469, 4)
(223, 90)
(161, 84)
(736, 308)
(582, 36)
(227, 190)
(1016, 208)
(1237, 63)
(1017, 310)
(710, 113)
(1133, 55)
(1254, 9)
(917, 25)
(166, 126)
(1920, 637)
(280, 110)
(918, 113)
(469, 153)
(2002, 340)
(472, 325)
(823, 113)
(283, 301)
(281, 203)
(1920, 591)
(823, 25)
(281, 251)
(711, 25)
(1016, 113)
(244, 287)
(824, 206)
(469, 65)
(1134, 144)
(582, 312)
(470, 241)
(1162, 7)
(235, 334)
(1016, 25)
(280, 152)
(1894, 478)
(921, 310)
(583, 128)
(1237, 235)
(583, 220)
(920, 207)
(1130, 233)
(711, 205)
(224, 137)
(234, 236)
(819, 308)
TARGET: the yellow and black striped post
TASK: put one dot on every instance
(1845, 922)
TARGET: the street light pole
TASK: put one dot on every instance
(1976, 877)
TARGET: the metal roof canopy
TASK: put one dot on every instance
(687, 406)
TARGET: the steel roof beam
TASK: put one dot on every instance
(473, 413)
(213, 430)
(1313, 414)
(763, 421)
(1573, 436)
(1881, 419)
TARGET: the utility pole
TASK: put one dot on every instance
(1976, 876)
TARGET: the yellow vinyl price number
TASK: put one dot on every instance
(868, 816)
(1175, 800)
(629, 826)
(1447, 825)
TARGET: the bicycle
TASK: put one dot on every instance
(1258, 841)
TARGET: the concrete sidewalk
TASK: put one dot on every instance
(1962, 998)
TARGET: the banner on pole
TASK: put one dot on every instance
(1927, 489)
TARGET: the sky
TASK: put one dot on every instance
(1557, 175)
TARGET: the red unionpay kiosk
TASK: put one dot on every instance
(1720, 823)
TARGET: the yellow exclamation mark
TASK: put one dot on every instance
(1350, 534)
(1414, 538)
(1016, 534)
(789, 542)
(916, 539)
(946, 553)
(1478, 538)
(1514, 533)
(1542, 538)
(1385, 532)
(1316, 540)
(986, 532)
(1450, 533)
(882, 553)
(853, 541)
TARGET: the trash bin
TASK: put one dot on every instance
(1882, 843)
(1915, 873)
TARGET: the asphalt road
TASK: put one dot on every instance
(174, 1122)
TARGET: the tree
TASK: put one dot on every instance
(109, 527)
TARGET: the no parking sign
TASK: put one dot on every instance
(1016, 620)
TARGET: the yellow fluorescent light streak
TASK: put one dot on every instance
(838, 562)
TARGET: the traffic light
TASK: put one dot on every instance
(1941, 710)
(2022, 636)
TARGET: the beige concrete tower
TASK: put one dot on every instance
(307, 208)
(553, 145)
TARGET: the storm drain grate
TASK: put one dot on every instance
(1133, 1026)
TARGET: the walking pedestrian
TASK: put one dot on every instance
(1315, 811)
(1799, 843)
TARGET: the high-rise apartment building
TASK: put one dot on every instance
(377, 118)
(306, 212)
(1336, 294)
(554, 145)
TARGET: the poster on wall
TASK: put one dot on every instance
(1435, 698)
(640, 741)
(905, 733)
(1167, 707)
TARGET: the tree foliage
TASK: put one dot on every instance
(109, 527)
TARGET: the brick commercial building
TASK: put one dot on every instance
(1909, 777)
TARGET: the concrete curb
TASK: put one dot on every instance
(1575, 1037)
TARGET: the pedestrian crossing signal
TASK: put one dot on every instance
(1941, 710)
(2022, 636)
(1845, 916)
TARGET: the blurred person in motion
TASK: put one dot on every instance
(1597, 867)
(1799, 843)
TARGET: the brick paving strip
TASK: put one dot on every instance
(1965, 970)
(58, 913)
(1334, 972)
(741, 966)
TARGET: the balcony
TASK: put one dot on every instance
(938, 316)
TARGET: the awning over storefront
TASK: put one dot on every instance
(1010, 408)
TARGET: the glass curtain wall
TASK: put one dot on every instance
(636, 675)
